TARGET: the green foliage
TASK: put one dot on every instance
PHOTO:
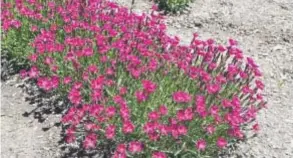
(173, 6)
(15, 45)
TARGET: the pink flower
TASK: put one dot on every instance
(135, 147)
(98, 83)
(181, 97)
(221, 79)
(226, 103)
(67, 80)
(110, 111)
(90, 141)
(110, 132)
(128, 127)
(70, 138)
(210, 129)
(85, 76)
(259, 84)
(212, 66)
(34, 72)
(236, 102)
(255, 127)
(119, 155)
(180, 115)
(93, 68)
(90, 126)
(221, 142)
(48, 60)
(154, 115)
(213, 88)
(188, 114)
(33, 57)
(159, 154)
(149, 127)
(74, 96)
(149, 86)
(164, 130)
(34, 28)
(44, 83)
(121, 148)
(201, 144)
(182, 130)
(23, 73)
(214, 110)
(251, 62)
(122, 90)
(232, 42)
(154, 136)
(88, 51)
(163, 110)
(140, 96)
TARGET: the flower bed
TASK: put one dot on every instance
(132, 87)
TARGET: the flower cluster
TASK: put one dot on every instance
(131, 84)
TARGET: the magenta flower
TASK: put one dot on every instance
(163, 110)
(221, 142)
(210, 129)
(110, 132)
(201, 145)
(90, 141)
(159, 154)
(33, 72)
(140, 96)
(135, 147)
(128, 127)
(110, 111)
(121, 148)
(23, 73)
(255, 127)
(154, 115)
(181, 97)
(149, 86)
(213, 88)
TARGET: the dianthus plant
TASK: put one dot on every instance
(132, 87)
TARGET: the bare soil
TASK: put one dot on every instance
(24, 132)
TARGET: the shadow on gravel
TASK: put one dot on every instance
(45, 103)
(77, 151)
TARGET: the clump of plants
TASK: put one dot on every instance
(132, 87)
(15, 44)
(173, 6)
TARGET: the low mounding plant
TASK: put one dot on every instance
(15, 46)
(173, 6)
(134, 89)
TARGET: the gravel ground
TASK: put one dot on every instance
(264, 29)
(23, 135)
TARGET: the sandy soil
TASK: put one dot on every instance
(23, 135)
(264, 29)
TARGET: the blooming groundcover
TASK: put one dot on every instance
(131, 86)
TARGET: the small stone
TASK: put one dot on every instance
(278, 47)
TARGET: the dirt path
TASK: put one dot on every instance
(264, 29)
(23, 137)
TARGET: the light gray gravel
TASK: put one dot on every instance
(24, 137)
